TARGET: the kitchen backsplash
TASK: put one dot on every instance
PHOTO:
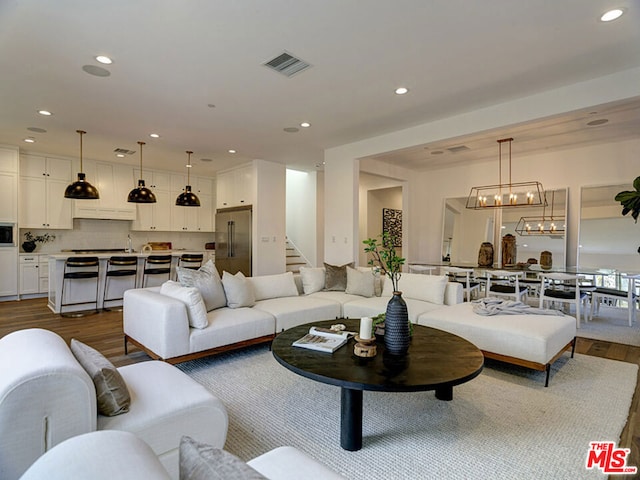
(88, 233)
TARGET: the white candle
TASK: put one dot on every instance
(366, 325)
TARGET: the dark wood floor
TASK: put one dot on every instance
(103, 331)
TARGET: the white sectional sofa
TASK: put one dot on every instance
(47, 397)
(160, 324)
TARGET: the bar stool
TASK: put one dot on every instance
(156, 265)
(80, 268)
(119, 267)
(190, 260)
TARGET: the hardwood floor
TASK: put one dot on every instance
(103, 331)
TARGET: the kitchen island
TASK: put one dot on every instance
(80, 290)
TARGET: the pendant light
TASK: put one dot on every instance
(141, 194)
(505, 195)
(81, 189)
(188, 198)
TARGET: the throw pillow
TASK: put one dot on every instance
(274, 286)
(378, 279)
(360, 282)
(335, 278)
(207, 280)
(428, 288)
(112, 395)
(199, 461)
(190, 296)
(238, 290)
(312, 279)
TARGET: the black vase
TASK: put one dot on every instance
(29, 246)
(396, 326)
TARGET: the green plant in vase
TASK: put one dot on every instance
(31, 240)
(397, 327)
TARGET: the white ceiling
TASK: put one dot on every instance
(174, 58)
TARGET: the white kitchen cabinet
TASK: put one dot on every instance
(205, 213)
(113, 182)
(29, 274)
(8, 185)
(192, 219)
(154, 216)
(43, 273)
(43, 181)
(153, 179)
(9, 269)
(235, 187)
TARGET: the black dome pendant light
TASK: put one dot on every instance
(141, 194)
(81, 189)
(188, 198)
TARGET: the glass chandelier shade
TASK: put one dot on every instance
(503, 195)
(188, 198)
(81, 189)
(141, 194)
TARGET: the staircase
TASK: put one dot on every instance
(294, 258)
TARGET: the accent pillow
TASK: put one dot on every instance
(335, 278)
(190, 296)
(274, 286)
(199, 461)
(112, 395)
(428, 288)
(312, 279)
(360, 282)
(378, 279)
(207, 280)
(238, 290)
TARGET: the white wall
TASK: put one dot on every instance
(301, 213)
(270, 219)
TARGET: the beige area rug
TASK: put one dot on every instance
(612, 325)
(502, 425)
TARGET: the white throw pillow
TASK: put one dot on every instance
(207, 280)
(274, 286)
(378, 279)
(190, 296)
(428, 288)
(312, 279)
(360, 282)
(238, 290)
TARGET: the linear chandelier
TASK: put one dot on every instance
(544, 225)
(503, 195)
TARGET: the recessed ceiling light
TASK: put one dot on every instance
(29, 140)
(104, 59)
(401, 90)
(37, 129)
(232, 151)
(120, 155)
(611, 15)
(291, 129)
(154, 135)
(46, 113)
(305, 124)
(96, 71)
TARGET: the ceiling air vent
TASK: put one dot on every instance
(124, 151)
(287, 65)
(459, 148)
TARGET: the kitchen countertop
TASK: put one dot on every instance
(105, 255)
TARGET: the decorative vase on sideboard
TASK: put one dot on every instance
(396, 326)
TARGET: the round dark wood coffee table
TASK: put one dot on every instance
(436, 360)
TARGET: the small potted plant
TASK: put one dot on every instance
(396, 319)
(31, 240)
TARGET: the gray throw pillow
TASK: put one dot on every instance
(207, 280)
(335, 277)
(199, 461)
(112, 394)
(238, 290)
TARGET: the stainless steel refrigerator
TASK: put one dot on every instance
(233, 240)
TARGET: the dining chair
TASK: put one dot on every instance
(506, 283)
(465, 277)
(563, 288)
(612, 294)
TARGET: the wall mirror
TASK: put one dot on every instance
(607, 239)
(464, 231)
